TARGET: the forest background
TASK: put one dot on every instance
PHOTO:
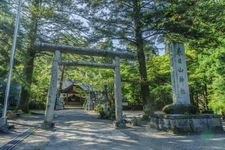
(138, 26)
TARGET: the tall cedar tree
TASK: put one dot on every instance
(48, 22)
(138, 23)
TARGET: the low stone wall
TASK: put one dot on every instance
(179, 123)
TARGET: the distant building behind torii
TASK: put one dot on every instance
(74, 93)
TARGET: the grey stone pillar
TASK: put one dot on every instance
(105, 99)
(58, 103)
(179, 76)
(118, 95)
(49, 112)
(89, 101)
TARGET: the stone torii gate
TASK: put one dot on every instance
(57, 49)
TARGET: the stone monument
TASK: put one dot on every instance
(179, 76)
(183, 121)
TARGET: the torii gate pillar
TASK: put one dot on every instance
(119, 123)
(49, 113)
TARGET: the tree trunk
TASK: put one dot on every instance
(206, 96)
(29, 63)
(141, 58)
(28, 73)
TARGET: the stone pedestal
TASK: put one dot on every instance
(48, 125)
(119, 124)
(179, 76)
(179, 123)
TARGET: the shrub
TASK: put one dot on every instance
(180, 109)
(145, 117)
(99, 110)
(37, 105)
(207, 112)
(110, 114)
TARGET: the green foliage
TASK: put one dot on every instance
(6, 32)
(145, 117)
(99, 110)
(159, 78)
(207, 78)
(200, 24)
(217, 97)
(41, 11)
(191, 20)
(130, 86)
(110, 114)
(41, 79)
(37, 105)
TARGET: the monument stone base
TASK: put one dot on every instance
(182, 123)
(119, 124)
(47, 125)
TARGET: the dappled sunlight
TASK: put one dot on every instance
(186, 141)
(89, 132)
(218, 139)
(76, 129)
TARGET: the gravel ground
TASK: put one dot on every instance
(80, 130)
(21, 125)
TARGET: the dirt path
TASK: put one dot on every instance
(80, 130)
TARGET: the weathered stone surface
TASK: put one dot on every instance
(179, 75)
(49, 112)
(48, 125)
(179, 123)
(58, 104)
(134, 121)
(119, 124)
(118, 91)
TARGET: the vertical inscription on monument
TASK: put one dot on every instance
(179, 74)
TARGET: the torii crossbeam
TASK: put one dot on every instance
(83, 51)
(87, 64)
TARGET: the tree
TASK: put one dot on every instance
(7, 23)
(30, 56)
(125, 22)
(198, 22)
(47, 20)
(138, 23)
